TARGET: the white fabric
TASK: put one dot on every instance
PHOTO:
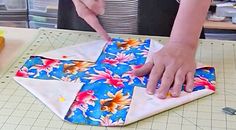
(89, 51)
(154, 47)
(152, 105)
(51, 91)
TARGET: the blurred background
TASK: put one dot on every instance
(220, 22)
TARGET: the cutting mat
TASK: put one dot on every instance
(21, 110)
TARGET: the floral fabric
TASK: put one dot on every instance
(108, 86)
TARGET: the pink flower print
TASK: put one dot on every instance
(105, 121)
(23, 72)
(131, 75)
(115, 80)
(83, 100)
(134, 67)
(201, 81)
(47, 64)
(120, 58)
(110, 61)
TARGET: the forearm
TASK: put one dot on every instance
(189, 21)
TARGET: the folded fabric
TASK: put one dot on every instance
(93, 84)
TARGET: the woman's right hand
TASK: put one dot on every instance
(88, 10)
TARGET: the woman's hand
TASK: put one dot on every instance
(88, 10)
(174, 65)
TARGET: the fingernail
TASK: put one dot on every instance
(150, 92)
(109, 39)
(174, 94)
(161, 96)
(189, 90)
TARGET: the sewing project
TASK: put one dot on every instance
(93, 84)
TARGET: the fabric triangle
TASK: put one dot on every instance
(57, 95)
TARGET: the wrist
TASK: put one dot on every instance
(189, 40)
(189, 47)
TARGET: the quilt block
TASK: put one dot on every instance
(93, 83)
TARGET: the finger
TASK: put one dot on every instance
(189, 82)
(97, 6)
(166, 81)
(154, 77)
(144, 70)
(91, 19)
(178, 83)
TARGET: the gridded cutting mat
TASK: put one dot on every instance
(19, 109)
